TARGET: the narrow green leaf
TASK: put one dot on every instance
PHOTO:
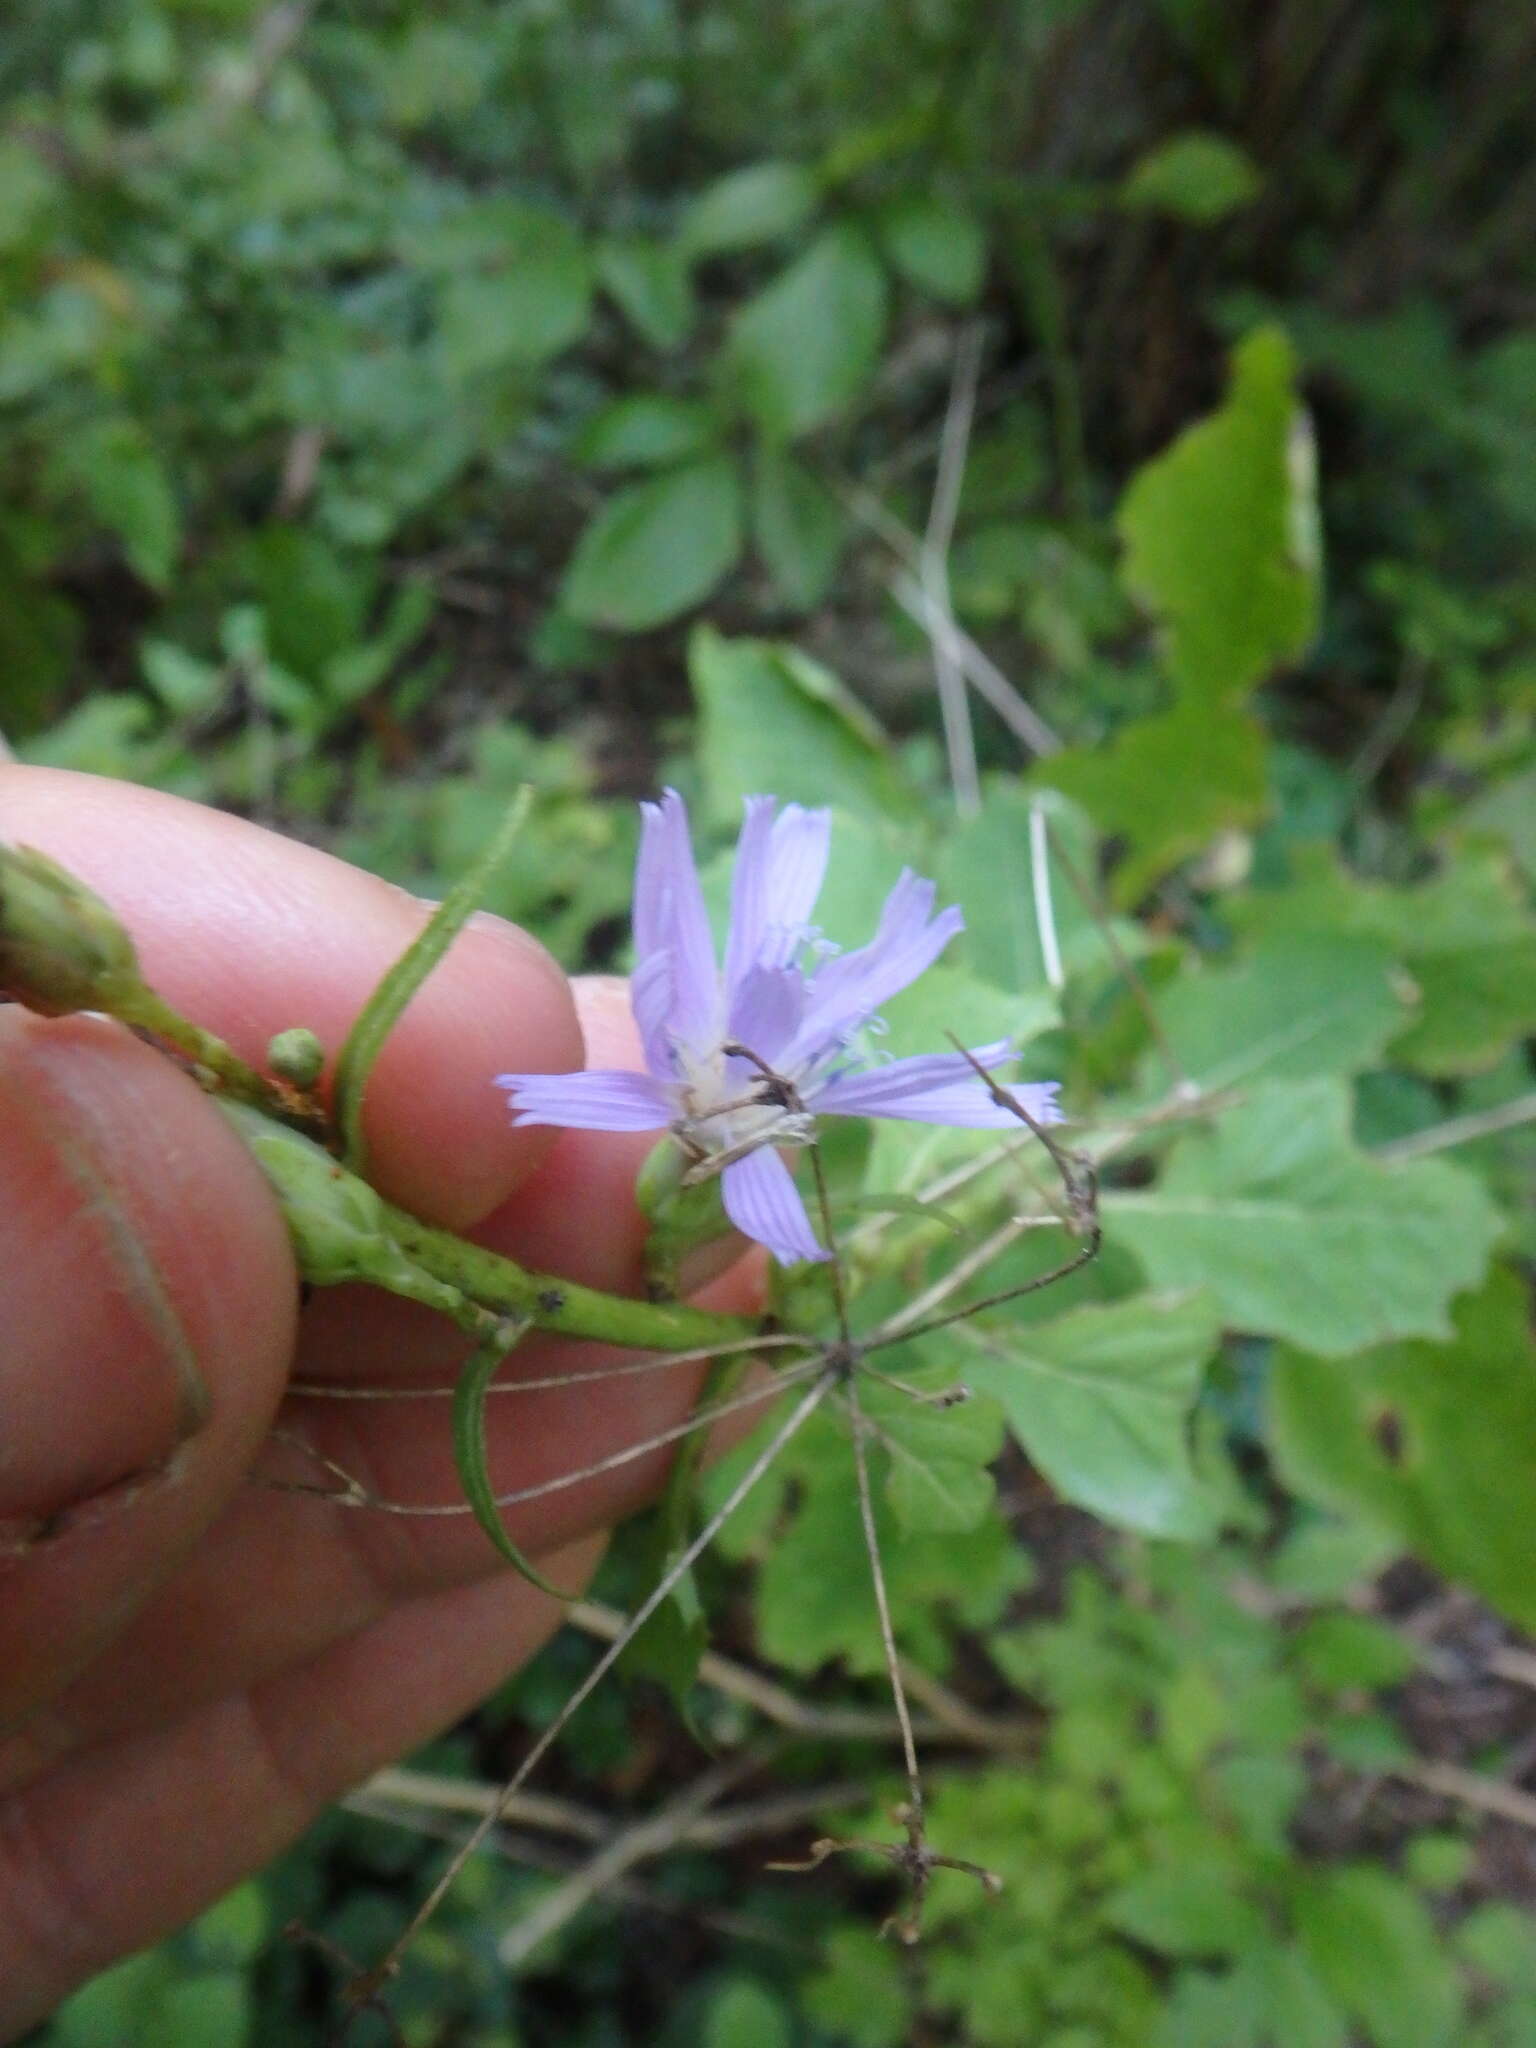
(470, 1452)
(384, 1007)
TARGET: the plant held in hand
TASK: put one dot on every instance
(741, 1061)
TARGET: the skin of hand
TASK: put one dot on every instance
(193, 1666)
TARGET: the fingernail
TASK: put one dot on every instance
(98, 1381)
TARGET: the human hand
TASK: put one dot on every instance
(191, 1666)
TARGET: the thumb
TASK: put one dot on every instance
(147, 1302)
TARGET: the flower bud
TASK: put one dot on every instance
(61, 948)
(297, 1057)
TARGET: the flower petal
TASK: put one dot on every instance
(669, 917)
(766, 1010)
(606, 1099)
(650, 1004)
(936, 1088)
(780, 865)
(762, 1201)
(847, 991)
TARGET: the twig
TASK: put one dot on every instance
(1518, 1666)
(1460, 1130)
(983, 674)
(653, 1836)
(1045, 908)
(954, 706)
(365, 1987)
(1470, 1788)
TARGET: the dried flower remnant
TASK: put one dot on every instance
(742, 1060)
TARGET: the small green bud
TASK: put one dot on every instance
(297, 1057)
(61, 948)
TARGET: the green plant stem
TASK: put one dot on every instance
(560, 1305)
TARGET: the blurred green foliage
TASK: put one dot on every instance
(385, 388)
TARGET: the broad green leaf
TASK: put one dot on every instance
(935, 245)
(1508, 811)
(646, 432)
(657, 548)
(798, 525)
(1195, 175)
(1464, 936)
(1100, 1400)
(1298, 1006)
(1166, 785)
(1193, 1910)
(743, 210)
(1374, 1946)
(649, 283)
(814, 1602)
(1298, 1234)
(1220, 533)
(535, 301)
(1434, 1443)
(772, 719)
(806, 346)
(936, 1460)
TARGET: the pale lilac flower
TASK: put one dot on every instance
(799, 1007)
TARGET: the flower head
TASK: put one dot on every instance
(743, 1059)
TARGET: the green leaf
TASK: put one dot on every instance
(130, 491)
(1464, 936)
(1343, 1652)
(649, 283)
(1100, 1400)
(1435, 1443)
(386, 1004)
(806, 346)
(935, 245)
(1195, 175)
(1195, 1910)
(937, 1458)
(760, 203)
(985, 864)
(1298, 1234)
(470, 1450)
(1166, 786)
(771, 718)
(645, 432)
(860, 1994)
(798, 525)
(1298, 1006)
(1375, 1948)
(1290, 2005)
(743, 2014)
(535, 302)
(657, 548)
(1220, 533)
